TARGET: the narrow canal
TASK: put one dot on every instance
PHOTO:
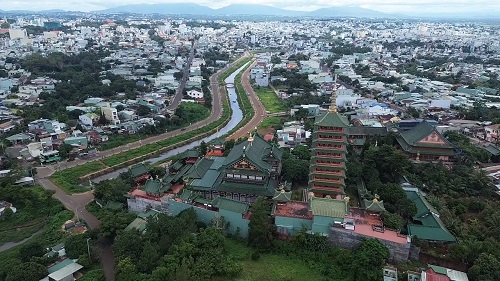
(236, 117)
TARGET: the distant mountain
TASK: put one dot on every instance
(240, 9)
(255, 9)
(347, 12)
(53, 11)
(167, 9)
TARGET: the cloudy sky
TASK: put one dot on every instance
(392, 6)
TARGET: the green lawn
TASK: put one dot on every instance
(68, 179)
(270, 100)
(270, 267)
(268, 122)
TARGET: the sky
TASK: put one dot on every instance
(389, 6)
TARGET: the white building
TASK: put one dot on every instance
(195, 94)
(89, 119)
(111, 114)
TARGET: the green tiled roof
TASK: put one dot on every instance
(422, 130)
(328, 207)
(60, 265)
(177, 165)
(438, 269)
(432, 227)
(138, 170)
(423, 206)
(199, 169)
(230, 205)
(18, 137)
(267, 191)
(113, 205)
(374, 205)
(430, 233)
(156, 187)
(192, 153)
(282, 196)
(256, 153)
(182, 172)
(138, 223)
(331, 119)
(187, 195)
(208, 181)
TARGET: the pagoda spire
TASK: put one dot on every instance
(333, 99)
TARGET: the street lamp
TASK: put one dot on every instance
(88, 246)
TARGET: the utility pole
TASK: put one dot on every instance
(88, 246)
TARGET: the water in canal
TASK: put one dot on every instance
(236, 117)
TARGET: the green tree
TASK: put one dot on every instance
(392, 221)
(128, 244)
(295, 170)
(28, 271)
(203, 148)
(302, 152)
(149, 258)
(369, 259)
(112, 190)
(102, 120)
(260, 229)
(486, 268)
(26, 252)
(76, 245)
(143, 110)
(126, 270)
(5, 25)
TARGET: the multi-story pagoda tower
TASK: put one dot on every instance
(327, 170)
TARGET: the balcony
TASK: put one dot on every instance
(336, 181)
(333, 173)
(331, 147)
(329, 164)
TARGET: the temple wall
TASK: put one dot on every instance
(348, 239)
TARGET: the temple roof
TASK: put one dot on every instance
(282, 196)
(414, 136)
(156, 187)
(374, 205)
(255, 151)
(199, 169)
(139, 170)
(431, 227)
(230, 205)
(331, 119)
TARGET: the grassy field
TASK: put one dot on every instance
(270, 100)
(68, 179)
(270, 267)
(271, 122)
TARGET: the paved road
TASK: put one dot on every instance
(174, 103)
(77, 202)
(260, 111)
(9, 245)
(214, 116)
